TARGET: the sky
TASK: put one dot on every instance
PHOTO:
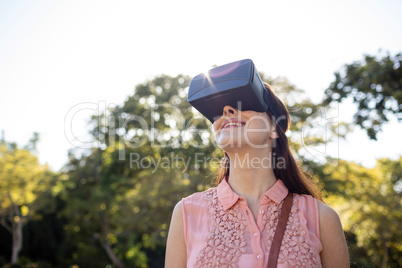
(58, 55)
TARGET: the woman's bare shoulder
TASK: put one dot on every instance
(326, 212)
(334, 248)
(175, 246)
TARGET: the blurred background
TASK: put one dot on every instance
(98, 142)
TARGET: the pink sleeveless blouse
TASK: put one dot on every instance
(220, 230)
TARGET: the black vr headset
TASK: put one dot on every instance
(237, 84)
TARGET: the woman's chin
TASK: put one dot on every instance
(234, 141)
(230, 147)
(240, 146)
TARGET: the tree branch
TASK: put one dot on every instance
(4, 223)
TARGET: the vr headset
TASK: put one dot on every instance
(237, 84)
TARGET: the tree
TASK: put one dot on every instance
(22, 183)
(312, 126)
(369, 203)
(375, 85)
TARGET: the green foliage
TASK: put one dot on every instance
(311, 124)
(23, 189)
(44, 234)
(370, 205)
(375, 85)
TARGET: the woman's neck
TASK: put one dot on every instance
(251, 174)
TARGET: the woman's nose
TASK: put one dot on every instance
(229, 110)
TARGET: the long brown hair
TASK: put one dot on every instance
(292, 176)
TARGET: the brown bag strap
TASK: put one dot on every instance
(280, 230)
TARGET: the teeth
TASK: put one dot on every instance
(233, 124)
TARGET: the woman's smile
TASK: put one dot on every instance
(232, 124)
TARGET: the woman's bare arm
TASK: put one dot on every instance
(176, 256)
(334, 248)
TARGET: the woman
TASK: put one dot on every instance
(234, 224)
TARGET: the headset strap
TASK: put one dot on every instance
(280, 230)
(271, 105)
